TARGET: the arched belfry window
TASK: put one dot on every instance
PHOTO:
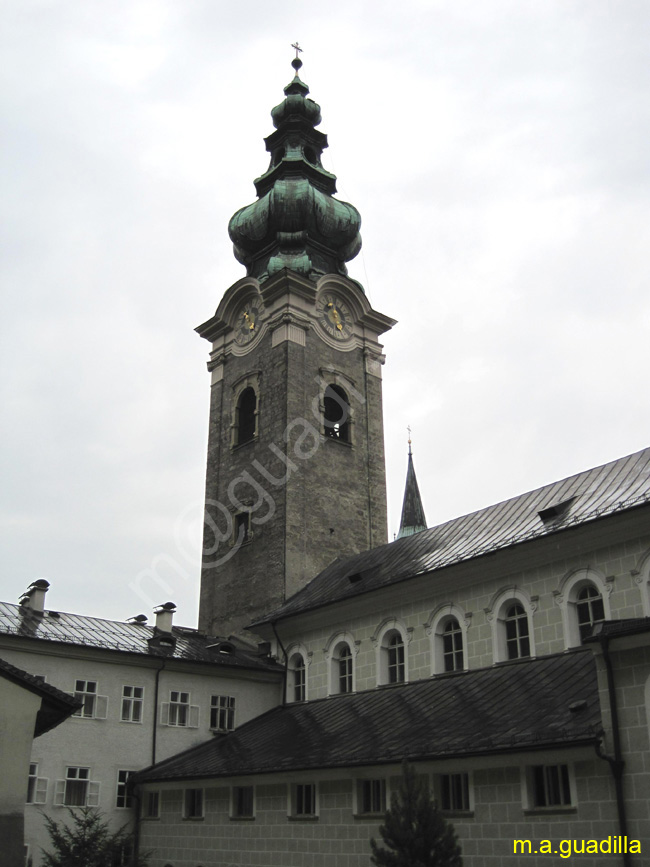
(337, 413)
(246, 416)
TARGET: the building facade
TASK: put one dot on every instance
(465, 649)
(145, 693)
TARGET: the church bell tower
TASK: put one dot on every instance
(295, 469)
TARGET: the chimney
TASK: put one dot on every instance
(34, 596)
(164, 615)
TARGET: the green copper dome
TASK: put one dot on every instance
(296, 222)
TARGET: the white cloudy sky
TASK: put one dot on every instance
(498, 153)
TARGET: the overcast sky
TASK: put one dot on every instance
(498, 153)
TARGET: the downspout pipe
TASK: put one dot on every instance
(616, 763)
(155, 713)
(136, 794)
(286, 664)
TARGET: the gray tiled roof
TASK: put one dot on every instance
(615, 487)
(56, 705)
(619, 628)
(190, 644)
(530, 704)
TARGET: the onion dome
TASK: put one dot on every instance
(296, 222)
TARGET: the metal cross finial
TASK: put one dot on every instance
(297, 47)
(408, 428)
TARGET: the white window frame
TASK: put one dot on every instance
(194, 803)
(528, 788)
(170, 711)
(236, 804)
(466, 780)
(377, 789)
(130, 702)
(331, 653)
(121, 791)
(222, 708)
(434, 628)
(296, 804)
(95, 706)
(496, 614)
(38, 788)
(292, 653)
(91, 798)
(381, 640)
(566, 596)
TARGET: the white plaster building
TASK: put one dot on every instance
(147, 692)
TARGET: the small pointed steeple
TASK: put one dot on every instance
(413, 519)
(296, 222)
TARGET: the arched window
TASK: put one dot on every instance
(297, 678)
(343, 662)
(589, 610)
(583, 596)
(452, 645)
(246, 416)
(337, 414)
(395, 658)
(517, 635)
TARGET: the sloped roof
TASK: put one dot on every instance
(56, 705)
(615, 487)
(619, 628)
(77, 629)
(509, 707)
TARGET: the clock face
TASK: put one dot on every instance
(247, 323)
(334, 316)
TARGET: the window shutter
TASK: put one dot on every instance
(40, 793)
(101, 707)
(92, 799)
(59, 793)
(194, 717)
(164, 713)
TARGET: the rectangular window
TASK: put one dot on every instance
(132, 702)
(36, 786)
(550, 786)
(454, 793)
(193, 804)
(76, 787)
(222, 713)
(77, 790)
(86, 691)
(243, 802)
(179, 708)
(123, 796)
(303, 800)
(123, 856)
(151, 805)
(371, 797)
